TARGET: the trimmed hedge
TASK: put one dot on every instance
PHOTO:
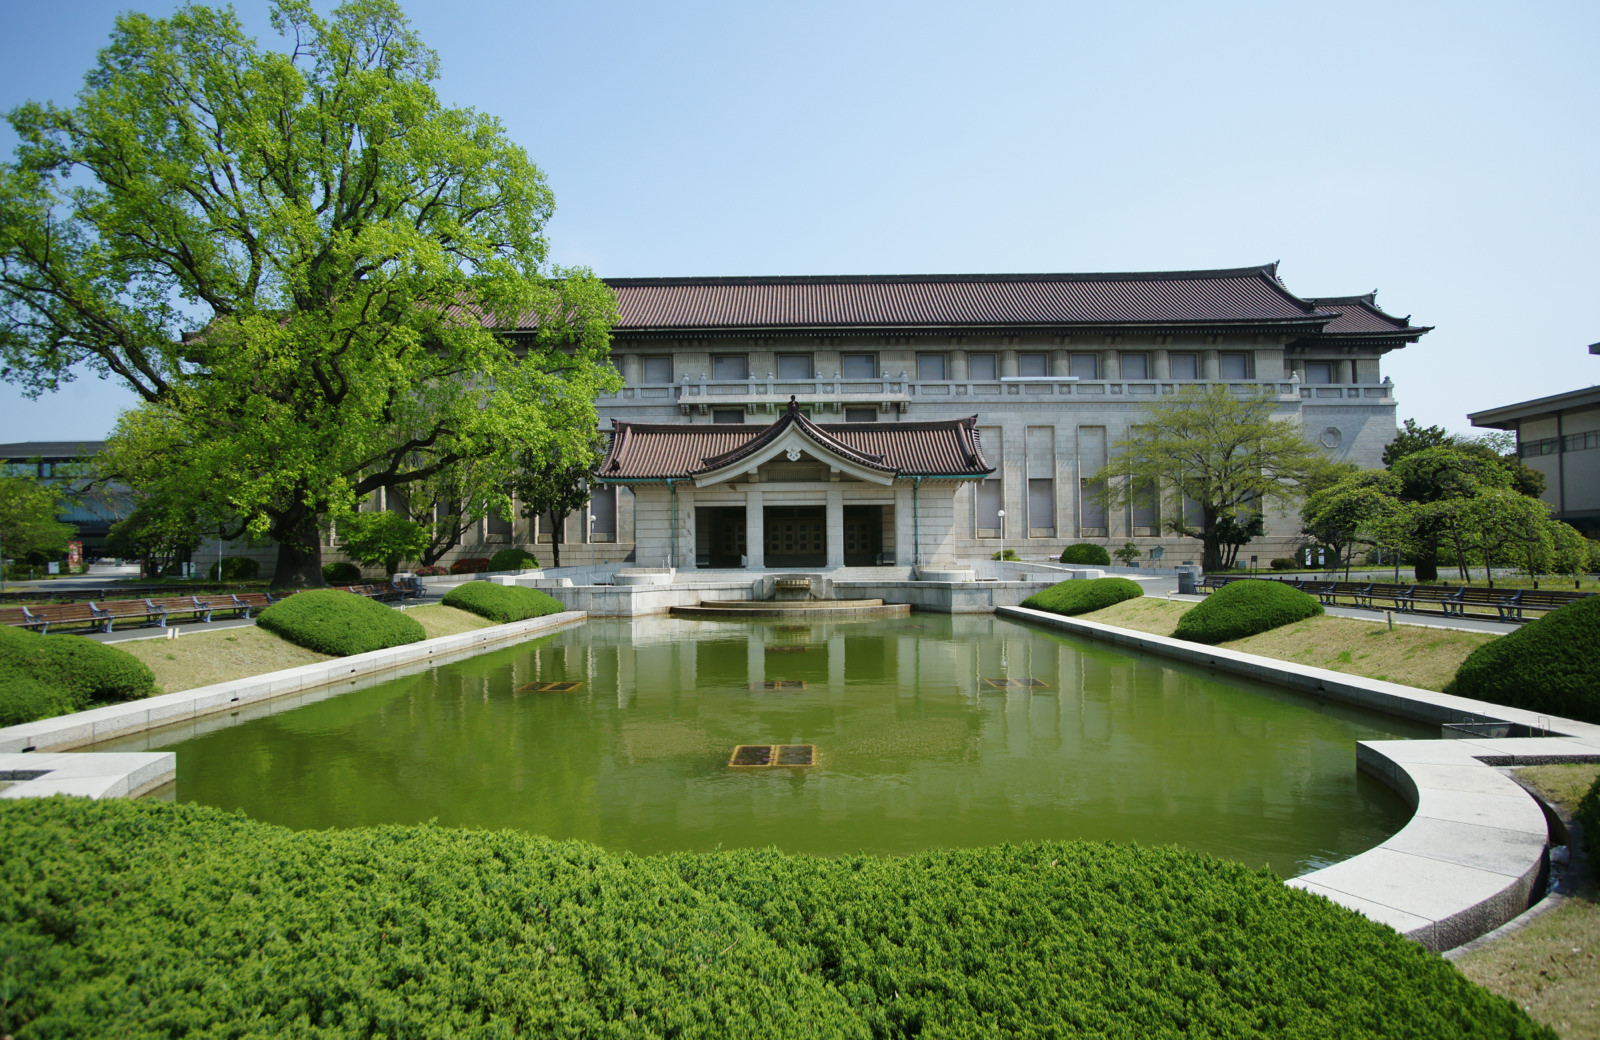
(236, 568)
(1086, 553)
(512, 560)
(1080, 597)
(339, 623)
(139, 918)
(1245, 608)
(44, 676)
(470, 565)
(341, 573)
(1550, 665)
(503, 603)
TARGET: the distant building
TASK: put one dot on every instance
(58, 461)
(1560, 437)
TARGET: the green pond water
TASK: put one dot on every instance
(928, 731)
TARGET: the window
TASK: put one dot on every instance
(729, 366)
(1091, 508)
(860, 415)
(1185, 366)
(858, 366)
(1033, 365)
(1581, 441)
(930, 367)
(1041, 506)
(988, 508)
(727, 416)
(1533, 449)
(982, 366)
(794, 366)
(603, 515)
(657, 369)
(499, 527)
(1136, 366)
(1084, 366)
(1146, 509)
(1319, 371)
(1233, 366)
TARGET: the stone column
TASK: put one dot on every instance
(1110, 368)
(958, 366)
(755, 544)
(834, 528)
(1060, 363)
(1163, 365)
(904, 536)
(1210, 367)
(1008, 363)
(630, 369)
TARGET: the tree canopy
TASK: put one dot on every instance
(300, 260)
(554, 484)
(28, 521)
(1226, 452)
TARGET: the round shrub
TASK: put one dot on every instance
(236, 568)
(1547, 666)
(503, 603)
(339, 623)
(1245, 608)
(1080, 597)
(1086, 553)
(1282, 563)
(341, 573)
(42, 676)
(512, 560)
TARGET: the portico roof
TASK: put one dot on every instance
(874, 451)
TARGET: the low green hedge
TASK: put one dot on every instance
(44, 676)
(339, 623)
(138, 918)
(1245, 608)
(1080, 597)
(1086, 553)
(503, 603)
(512, 560)
(341, 573)
(1549, 666)
(1588, 818)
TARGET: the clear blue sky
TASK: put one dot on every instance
(1442, 153)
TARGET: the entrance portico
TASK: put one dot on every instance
(792, 494)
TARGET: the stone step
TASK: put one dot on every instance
(735, 609)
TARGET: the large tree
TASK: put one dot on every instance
(300, 258)
(28, 521)
(554, 484)
(1228, 453)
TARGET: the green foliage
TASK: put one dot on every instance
(46, 675)
(1245, 608)
(1588, 818)
(1361, 509)
(1225, 451)
(1282, 563)
(341, 573)
(1004, 554)
(381, 539)
(503, 603)
(512, 560)
(339, 623)
(1086, 553)
(137, 918)
(1412, 438)
(1128, 555)
(236, 568)
(300, 259)
(1080, 597)
(1549, 665)
(28, 518)
(554, 483)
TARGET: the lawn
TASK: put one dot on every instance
(1413, 655)
(205, 657)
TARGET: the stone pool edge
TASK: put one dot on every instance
(27, 751)
(1476, 845)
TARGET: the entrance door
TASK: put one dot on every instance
(863, 535)
(796, 536)
(721, 533)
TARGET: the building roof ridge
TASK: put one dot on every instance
(1266, 270)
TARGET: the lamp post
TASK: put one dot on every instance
(1002, 536)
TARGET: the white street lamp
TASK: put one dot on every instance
(1002, 536)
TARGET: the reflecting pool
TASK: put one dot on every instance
(927, 731)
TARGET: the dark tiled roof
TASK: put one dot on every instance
(1248, 295)
(23, 450)
(1360, 316)
(653, 451)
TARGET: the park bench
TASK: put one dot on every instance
(114, 610)
(187, 606)
(69, 615)
(250, 602)
(22, 617)
(1323, 590)
(1543, 600)
(1212, 582)
(1502, 600)
(1420, 596)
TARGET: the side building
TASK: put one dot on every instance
(1049, 370)
(1560, 437)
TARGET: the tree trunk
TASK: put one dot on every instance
(1210, 546)
(558, 530)
(299, 551)
(1427, 564)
